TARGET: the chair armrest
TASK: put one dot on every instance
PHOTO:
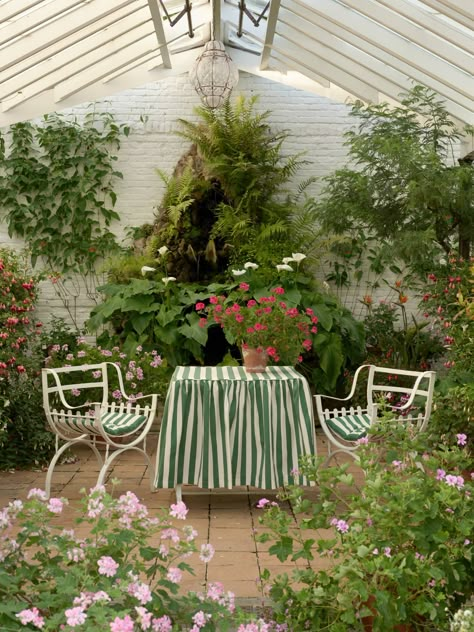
(338, 399)
(144, 396)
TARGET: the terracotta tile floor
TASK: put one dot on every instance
(228, 521)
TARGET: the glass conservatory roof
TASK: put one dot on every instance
(57, 53)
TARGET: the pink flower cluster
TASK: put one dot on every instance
(18, 294)
(267, 323)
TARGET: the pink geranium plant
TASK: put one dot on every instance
(267, 323)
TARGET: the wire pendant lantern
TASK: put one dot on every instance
(214, 75)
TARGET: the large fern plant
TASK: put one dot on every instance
(244, 156)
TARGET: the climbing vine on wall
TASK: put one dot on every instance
(56, 189)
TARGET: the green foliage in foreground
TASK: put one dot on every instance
(399, 550)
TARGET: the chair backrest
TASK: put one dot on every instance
(87, 377)
(409, 385)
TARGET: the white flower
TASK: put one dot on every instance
(163, 250)
(146, 269)
(287, 259)
(326, 286)
(249, 264)
(298, 256)
(166, 280)
(238, 272)
(442, 262)
(284, 266)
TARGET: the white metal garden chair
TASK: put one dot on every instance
(346, 424)
(119, 426)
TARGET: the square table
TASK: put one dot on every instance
(224, 427)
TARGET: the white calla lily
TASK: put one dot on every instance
(238, 272)
(284, 266)
(251, 265)
(287, 259)
(163, 250)
(146, 269)
(166, 280)
(298, 256)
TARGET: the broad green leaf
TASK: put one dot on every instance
(193, 330)
(324, 314)
(282, 549)
(331, 357)
(167, 314)
(141, 321)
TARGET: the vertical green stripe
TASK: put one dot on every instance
(223, 426)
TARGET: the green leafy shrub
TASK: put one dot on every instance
(398, 551)
(163, 315)
(406, 196)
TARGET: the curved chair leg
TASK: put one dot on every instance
(108, 462)
(332, 454)
(59, 453)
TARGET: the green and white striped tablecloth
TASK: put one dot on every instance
(224, 427)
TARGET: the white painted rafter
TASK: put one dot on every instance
(49, 60)
(53, 37)
(414, 33)
(431, 22)
(450, 12)
(160, 32)
(270, 33)
(55, 52)
(389, 68)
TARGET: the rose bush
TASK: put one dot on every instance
(24, 440)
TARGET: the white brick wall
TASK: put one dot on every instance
(315, 125)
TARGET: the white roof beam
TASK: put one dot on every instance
(160, 33)
(332, 69)
(449, 12)
(341, 58)
(270, 33)
(461, 6)
(44, 103)
(117, 60)
(53, 37)
(431, 22)
(414, 33)
(81, 62)
(216, 30)
(102, 56)
(11, 8)
(34, 19)
(38, 68)
(277, 63)
(390, 81)
(384, 46)
(249, 62)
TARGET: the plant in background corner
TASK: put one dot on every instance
(56, 190)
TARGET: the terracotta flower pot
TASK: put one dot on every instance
(255, 361)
